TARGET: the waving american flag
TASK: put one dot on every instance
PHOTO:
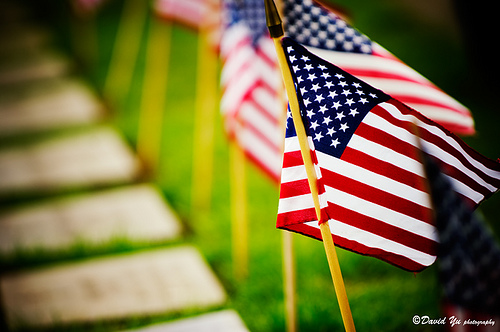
(371, 178)
(325, 34)
(252, 101)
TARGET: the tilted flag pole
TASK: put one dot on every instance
(239, 220)
(205, 111)
(276, 31)
(252, 106)
(289, 282)
(125, 50)
(154, 94)
(201, 16)
(230, 51)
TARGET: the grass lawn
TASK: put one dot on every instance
(382, 297)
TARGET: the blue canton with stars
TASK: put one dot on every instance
(313, 25)
(250, 12)
(332, 102)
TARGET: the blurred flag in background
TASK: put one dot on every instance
(252, 103)
(328, 36)
(469, 257)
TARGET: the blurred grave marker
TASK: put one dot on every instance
(94, 158)
(22, 39)
(132, 213)
(220, 321)
(39, 66)
(144, 283)
(52, 105)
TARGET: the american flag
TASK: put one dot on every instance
(469, 257)
(370, 175)
(252, 102)
(328, 36)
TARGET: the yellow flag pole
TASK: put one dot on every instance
(288, 255)
(153, 94)
(239, 223)
(276, 31)
(204, 122)
(125, 49)
(289, 282)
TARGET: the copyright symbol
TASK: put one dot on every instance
(416, 319)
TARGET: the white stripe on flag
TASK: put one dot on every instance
(374, 180)
(367, 62)
(375, 241)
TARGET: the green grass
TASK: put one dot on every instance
(382, 297)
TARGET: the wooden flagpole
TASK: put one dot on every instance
(289, 282)
(276, 31)
(154, 94)
(204, 122)
(239, 222)
(125, 49)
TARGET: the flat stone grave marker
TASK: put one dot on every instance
(144, 283)
(220, 321)
(66, 103)
(91, 158)
(19, 39)
(133, 213)
(44, 65)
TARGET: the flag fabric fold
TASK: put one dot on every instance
(252, 101)
(370, 174)
(325, 34)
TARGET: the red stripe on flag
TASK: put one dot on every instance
(294, 188)
(389, 257)
(372, 73)
(376, 196)
(407, 99)
(382, 229)
(385, 139)
(290, 218)
(292, 158)
(382, 167)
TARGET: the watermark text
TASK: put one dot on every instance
(451, 321)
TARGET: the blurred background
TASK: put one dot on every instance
(449, 42)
